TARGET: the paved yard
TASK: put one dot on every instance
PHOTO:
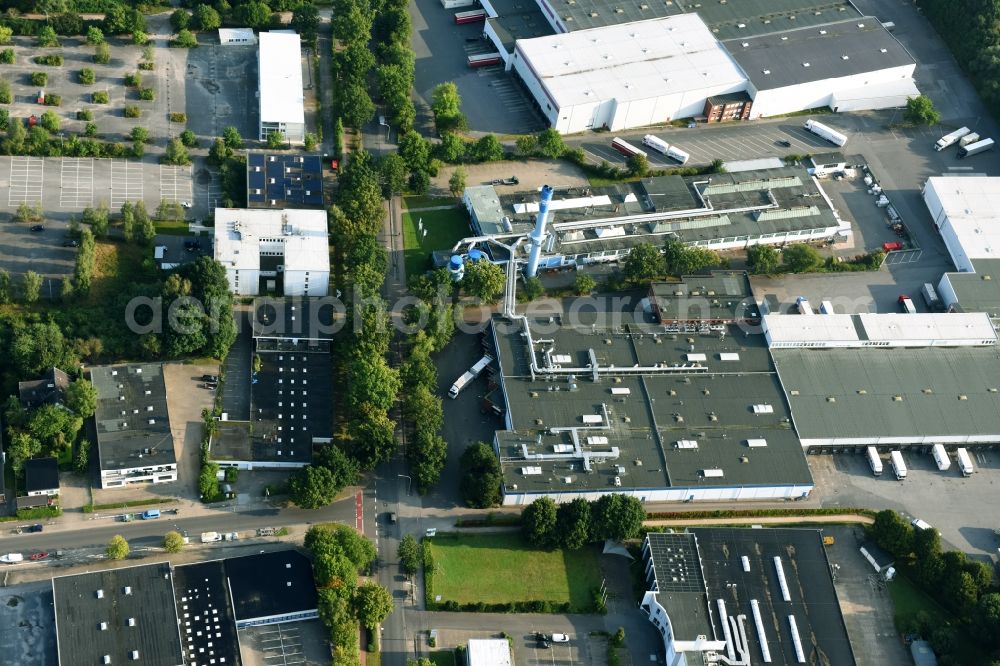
(299, 643)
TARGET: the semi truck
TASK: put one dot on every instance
(975, 148)
(873, 460)
(968, 139)
(930, 296)
(656, 143)
(469, 376)
(802, 303)
(941, 457)
(906, 304)
(951, 138)
(898, 465)
(828, 133)
(964, 462)
(626, 148)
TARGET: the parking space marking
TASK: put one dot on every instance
(26, 180)
(126, 182)
(175, 183)
(76, 182)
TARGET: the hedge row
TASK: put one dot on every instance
(759, 513)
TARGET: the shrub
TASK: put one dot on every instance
(102, 53)
(147, 94)
(100, 97)
(133, 79)
(84, 114)
(53, 100)
(185, 39)
(47, 37)
(132, 111)
(6, 97)
(90, 130)
(178, 117)
(51, 59)
(7, 57)
(188, 138)
(39, 78)
(147, 66)
(87, 76)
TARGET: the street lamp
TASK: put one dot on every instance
(408, 482)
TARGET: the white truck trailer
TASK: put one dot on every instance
(469, 376)
(951, 138)
(976, 148)
(968, 139)
(656, 143)
(964, 462)
(941, 457)
(828, 133)
(898, 465)
(874, 461)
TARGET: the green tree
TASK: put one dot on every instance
(16, 136)
(276, 140)
(486, 149)
(312, 487)
(188, 138)
(97, 218)
(428, 453)
(180, 19)
(81, 463)
(6, 33)
(208, 481)
(526, 145)
(801, 258)
(573, 523)
(95, 35)
(81, 397)
(419, 182)
(481, 476)
(452, 149)
(446, 104)
(693, 260)
(584, 284)
(637, 165)
(617, 517)
(643, 263)
(206, 18)
(102, 53)
(139, 37)
(410, 555)
(343, 467)
(550, 144)
(456, 184)
(762, 259)
(309, 142)
(374, 604)
(140, 134)
(538, 523)
(892, 533)
(484, 280)
(305, 21)
(47, 37)
(331, 540)
(372, 381)
(176, 153)
(232, 138)
(31, 287)
(185, 39)
(920, 111)
(87, 76)
(5, 291)
(173, 542)
(415, 150)
(254, 14)
(22, 447)
(117, 548)
(392, 169)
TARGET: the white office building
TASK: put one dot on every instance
(273, 251)
(282, 103)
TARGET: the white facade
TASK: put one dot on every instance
(128, 476)
(628, 75)
(676, 651)
(967, 213)
(293, 242)
(972, 329)
(716, 493)
(880, 89)
(236, 36)
(282, 101)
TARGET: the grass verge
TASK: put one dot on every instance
(443, 658)
(424, 201)
(172, 227)
(90, 508)
(443, 228)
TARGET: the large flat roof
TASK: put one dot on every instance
(489, 652)
(115, 613)
(681, 585)
(293, 318)
(972, 207)
(817, 53)
(208, 628)
(892, 393)
(284, 181)
(647, 59)
(280, 62)
(133, 426)
(271, 584)
(243, 236)
(291, 399)
(979, 291)
(806, 569)
(884, 329)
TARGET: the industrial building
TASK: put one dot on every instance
(209, 634)
(751, 596)
(617, 66)
(282, 101)
(273, 251)
(488, 652)
(720, 212)
(271, 588)
(600, 400)
(134, 444)
(284, 181)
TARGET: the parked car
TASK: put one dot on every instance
(192, 245)
(210, 378)
(783, 143)
(37, 527)
(391, 517)
(186, 204)
(70, 242)
(431, 531)
(542, 644)
(560, 638)
(38, 556)
(37, 228)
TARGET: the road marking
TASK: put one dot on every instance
(359, 513)
(26, 180)
(126, 182)
(175, 183)
(76, 182)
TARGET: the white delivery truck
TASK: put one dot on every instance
(975, 148)
(656, 143)
(898, 465)
(951, 138)
(874, 461)
(802, 303)
(469, 376)
(941, 457)
(828, 133)
(210, 537)
(964, 462)
(677, 154)
(825, 307)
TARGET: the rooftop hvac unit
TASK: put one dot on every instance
(713, 473)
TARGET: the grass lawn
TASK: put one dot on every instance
(443, 658)
(172, 227)
(908, 600)
(503, 568)
(443, 228)
(424, 201)
(116, 263)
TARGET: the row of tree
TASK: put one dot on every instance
(394, 72)
(648, 262)
(571, 525)
(352, 60)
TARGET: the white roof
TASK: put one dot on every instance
(880, 330)
(300, 235)
(782, 328)
(972, 206)
(952, 327)
(280, 61)
(489, 652)
(631, 61)
(241, 34)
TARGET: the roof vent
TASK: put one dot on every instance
(784, 38)
(104, 626)
(897, 398)
(794, 392)
(822, 32)
(883, 50)
(845, 57)
(805, 64)
(100, 594)
(746, 44)
(127, 590)
(963, 397)
(862, 392)
(741, 25)
(927, 391)
(992, 390)
(861, 25)
(131, 622)
(766, 71)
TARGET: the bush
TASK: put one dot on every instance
(90, 130)
(7, 57)
(147, 94)
(53, 100)
(147, 66)
(6, 97)
(185, 39)
(178, 117)
(100, 97)
(133, 79)
(132, 111)
(51, 59)
(87, 76)
(102, 53)
(84, 114)
(188, 138)
(39, 78)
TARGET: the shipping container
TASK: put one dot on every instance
(484, 59)
(656, 143)
(828, 133)
(975, 148)
(941, 457)
(964, 462)
(874, 461)
(626, 148)
(951, 138)
(471, 16)
(898, 465)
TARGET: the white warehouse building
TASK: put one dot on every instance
(273, 251)
(282, 102)
(626, 75)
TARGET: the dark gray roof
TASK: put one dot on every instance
(27, 625)
(49, 389)
(41, 474)
(940, 391)
(883, 558)
(128, 398)
(778, 60)
(679, 584)
(271, 584)
(297, 318)
(208, 627)
(720, 296)
(518, 19)
(814, 603)
(729, 98)
(827, 158)
(979, 291)
(289, 180)
(143, 594)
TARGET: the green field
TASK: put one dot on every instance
(503, 568)
(443, 658)
(424, 201)
(443, 228)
